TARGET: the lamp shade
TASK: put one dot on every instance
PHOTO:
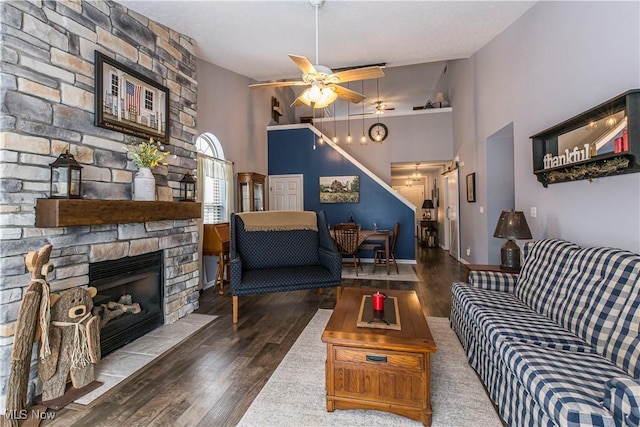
(428, 204)
(512, 225)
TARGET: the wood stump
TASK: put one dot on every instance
(25, 333)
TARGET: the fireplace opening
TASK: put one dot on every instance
(129, 298)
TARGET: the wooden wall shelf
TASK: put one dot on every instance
(79, 212)
(599, 164)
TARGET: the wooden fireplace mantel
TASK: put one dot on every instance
(78, 212)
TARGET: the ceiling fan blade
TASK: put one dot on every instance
(278, 84)
(298, 102)
(304, 64)
(359, 74)
(348, 94)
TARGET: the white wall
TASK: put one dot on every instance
(556, 61)
(238, 116)
(425, 137)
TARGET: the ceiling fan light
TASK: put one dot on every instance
(327, 96)
(314, 93)
(304, 97)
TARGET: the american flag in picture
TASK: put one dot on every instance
(133, 97)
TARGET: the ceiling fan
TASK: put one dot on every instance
(323, 84)
(381, 107)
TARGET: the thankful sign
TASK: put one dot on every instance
(568, 157)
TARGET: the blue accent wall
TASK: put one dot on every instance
(290, 151)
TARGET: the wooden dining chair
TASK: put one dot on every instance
(379, 253)
(347, 238)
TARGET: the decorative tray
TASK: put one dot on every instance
(389, 318)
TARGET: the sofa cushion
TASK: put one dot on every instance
(624, 341)
(265, 249)
(568, 386)
(598, 301)
(283, 279)
(501, 316)
(467, 295)
(498, 325)
(544, 264)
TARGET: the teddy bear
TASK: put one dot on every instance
(73, 342)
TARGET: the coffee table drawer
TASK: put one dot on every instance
(382, 358)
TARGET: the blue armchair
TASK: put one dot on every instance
(281, 260)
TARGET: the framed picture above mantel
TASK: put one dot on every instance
(129, 102)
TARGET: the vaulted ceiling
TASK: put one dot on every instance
(253, 38)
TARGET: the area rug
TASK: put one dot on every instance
(407, 274)
(295, 393)
(124, 362)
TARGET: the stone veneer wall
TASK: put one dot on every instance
(47, 80)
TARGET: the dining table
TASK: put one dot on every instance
(365, 235)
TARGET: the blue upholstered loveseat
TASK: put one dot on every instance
(558, 344)
(283, 257)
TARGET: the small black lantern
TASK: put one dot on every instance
(188, 188)
(66, 178)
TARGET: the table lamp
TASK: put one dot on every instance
(512, 225)
(427, 205)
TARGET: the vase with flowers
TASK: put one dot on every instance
(146, 156)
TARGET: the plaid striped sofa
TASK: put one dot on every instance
(286, 260)
(558, 344)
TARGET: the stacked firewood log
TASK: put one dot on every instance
(112, 310)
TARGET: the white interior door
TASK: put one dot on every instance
(414, 194)
(452, 227)
(286, 193)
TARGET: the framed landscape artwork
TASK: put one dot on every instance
(128, 102)
(340, 189)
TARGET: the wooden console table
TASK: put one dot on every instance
(216, 243)
(429, 233)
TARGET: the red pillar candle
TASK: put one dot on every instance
(377, 301)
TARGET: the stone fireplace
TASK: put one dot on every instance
(129, 301)
(48, 107)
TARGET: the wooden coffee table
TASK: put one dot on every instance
(382, 369)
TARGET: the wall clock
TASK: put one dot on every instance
(378, 132)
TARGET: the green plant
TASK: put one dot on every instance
(147, 154)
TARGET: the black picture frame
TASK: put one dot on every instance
(129, 102)
(471, 187)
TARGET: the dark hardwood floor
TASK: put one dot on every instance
(212, 378)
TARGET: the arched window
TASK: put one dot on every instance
(216, 180)
(208, 144)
